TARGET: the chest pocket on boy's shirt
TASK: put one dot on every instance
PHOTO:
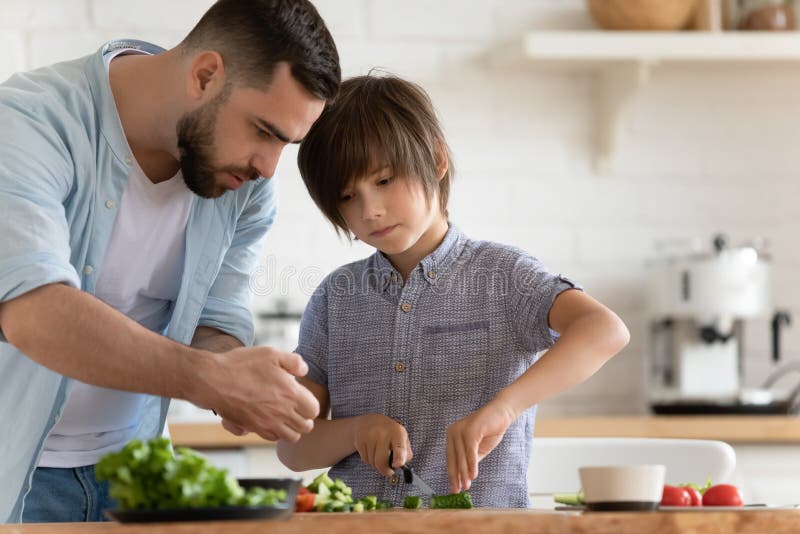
(454, 362)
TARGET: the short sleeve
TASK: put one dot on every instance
(531, 293)
(313, 340)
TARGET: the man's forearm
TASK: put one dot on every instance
(77, 335)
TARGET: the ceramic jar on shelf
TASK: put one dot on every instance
(760, 15)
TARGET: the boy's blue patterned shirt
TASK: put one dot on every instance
(471, 318)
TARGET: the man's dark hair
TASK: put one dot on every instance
(375, 120)
(252, 36)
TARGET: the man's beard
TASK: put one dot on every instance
(196, 145)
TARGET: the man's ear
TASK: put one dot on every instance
(206, 75)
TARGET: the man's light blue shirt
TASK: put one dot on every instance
(64, 162)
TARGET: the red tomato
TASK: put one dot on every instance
(305, 501)
(722, 495)
(675, 496)
(303, 491)
(694, 495)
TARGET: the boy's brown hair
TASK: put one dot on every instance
(374, 120)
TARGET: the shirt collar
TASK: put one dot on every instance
(103, 98)
(432, 266)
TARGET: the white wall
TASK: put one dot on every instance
(702, 150)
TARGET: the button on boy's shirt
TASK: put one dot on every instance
(470, 319)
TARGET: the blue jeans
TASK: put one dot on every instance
(66, 494)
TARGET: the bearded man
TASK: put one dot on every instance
(135, 188)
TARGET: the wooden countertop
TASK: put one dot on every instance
(462, 522)
(732, 428)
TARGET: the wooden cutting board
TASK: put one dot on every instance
(479, 521)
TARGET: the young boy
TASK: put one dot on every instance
(427, 348)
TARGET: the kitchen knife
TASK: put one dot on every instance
(410, 477)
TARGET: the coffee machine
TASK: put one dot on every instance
(700, 302)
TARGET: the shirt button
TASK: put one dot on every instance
(110, 204)
(393, 480)
(128, 160)
(400, 367)
(394, 277)
(406, 307)
(432, 274)
(88, 269)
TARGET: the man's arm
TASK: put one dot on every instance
(215, 340)
(77, 335)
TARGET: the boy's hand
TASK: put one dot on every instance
(470, 439)
(374, 435)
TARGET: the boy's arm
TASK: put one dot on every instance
(214, 340)
(331, 440)
(325, 444)
(590, 334)
(371, 435)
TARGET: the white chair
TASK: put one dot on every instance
(555, 461)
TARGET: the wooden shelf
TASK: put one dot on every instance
(655, 47)
(733, 429)
(622, 63)
(756, 429)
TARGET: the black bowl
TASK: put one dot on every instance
(622, 506)
(220, 513)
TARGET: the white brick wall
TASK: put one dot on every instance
(178, 16)
(44, 14)
(423, 19)
(12, 43)
(344, 18)
(701, 150)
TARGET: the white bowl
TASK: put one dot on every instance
(622, 487)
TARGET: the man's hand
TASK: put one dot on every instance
(233, 428)
(470, 439)
(255, 389)
(374, 435)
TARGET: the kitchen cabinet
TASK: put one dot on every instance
(623, 61)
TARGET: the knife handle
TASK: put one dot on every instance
(408, 474)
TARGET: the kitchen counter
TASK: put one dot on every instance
(461, 521)
(758, 429)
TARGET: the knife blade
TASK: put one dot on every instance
(410, 477)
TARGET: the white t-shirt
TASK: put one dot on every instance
(140, 277)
